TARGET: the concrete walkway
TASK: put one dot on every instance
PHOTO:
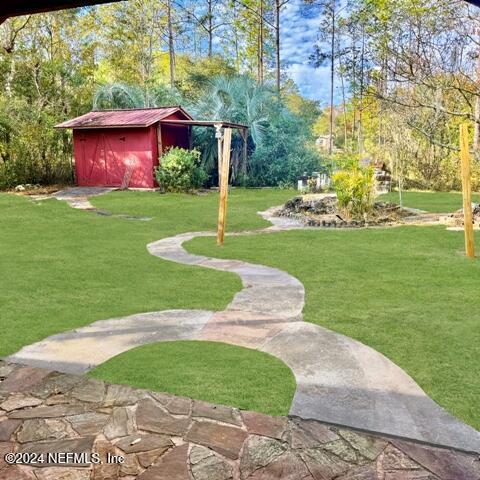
(339, 380)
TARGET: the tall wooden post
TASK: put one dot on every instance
(467, 191)
(219, 137)
(222, 210)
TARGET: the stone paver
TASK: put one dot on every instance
(203, 442)
(338, 379)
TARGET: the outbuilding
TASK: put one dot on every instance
(121, 148)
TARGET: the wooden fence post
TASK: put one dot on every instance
(467, 191)
(222, 210)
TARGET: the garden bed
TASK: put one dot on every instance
(323, 211)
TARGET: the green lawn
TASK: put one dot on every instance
(435, 202)
(411, 293)
(64, 268)
(210, 371)
(408, 292)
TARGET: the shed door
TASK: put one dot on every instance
(108, 158)
(91, 169)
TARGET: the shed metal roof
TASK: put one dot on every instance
(128, 118)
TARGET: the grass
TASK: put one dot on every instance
(64, 268)
(210, 371)
(435, 202)
(411, 293)
(408, 292)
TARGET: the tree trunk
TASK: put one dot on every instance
(277, 44)
(360, 110)
(476, 135)
(332, 79)
(210, 28)
(260, 45)
(171, 50)
(344, 101)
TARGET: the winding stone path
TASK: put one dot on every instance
(339, 380)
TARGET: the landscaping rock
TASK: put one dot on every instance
(323, 211)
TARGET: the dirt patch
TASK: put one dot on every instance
(31, 189)
(323, 211)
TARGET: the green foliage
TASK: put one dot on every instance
(280, 142)
(354, 189)
(346, 161)
(179, 171)
(120, 95)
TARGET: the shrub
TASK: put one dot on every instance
(354, 189)
(179, 171)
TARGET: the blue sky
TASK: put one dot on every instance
(298, 35)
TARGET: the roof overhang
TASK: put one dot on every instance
(27, 7)
(205, 123)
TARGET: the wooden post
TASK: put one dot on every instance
(467, 191)
(222, 210)
(218, 136)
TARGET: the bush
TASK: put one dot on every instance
(179, 171)
(354, 189)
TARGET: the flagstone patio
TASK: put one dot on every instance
(150, 435)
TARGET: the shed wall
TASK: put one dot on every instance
(104, 157)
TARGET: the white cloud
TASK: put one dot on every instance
(298, 36)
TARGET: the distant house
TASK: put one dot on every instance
(323, 142)
(118, 148)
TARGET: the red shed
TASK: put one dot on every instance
(121, 148)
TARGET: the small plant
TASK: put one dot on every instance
(354, 189)
(179, 171)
